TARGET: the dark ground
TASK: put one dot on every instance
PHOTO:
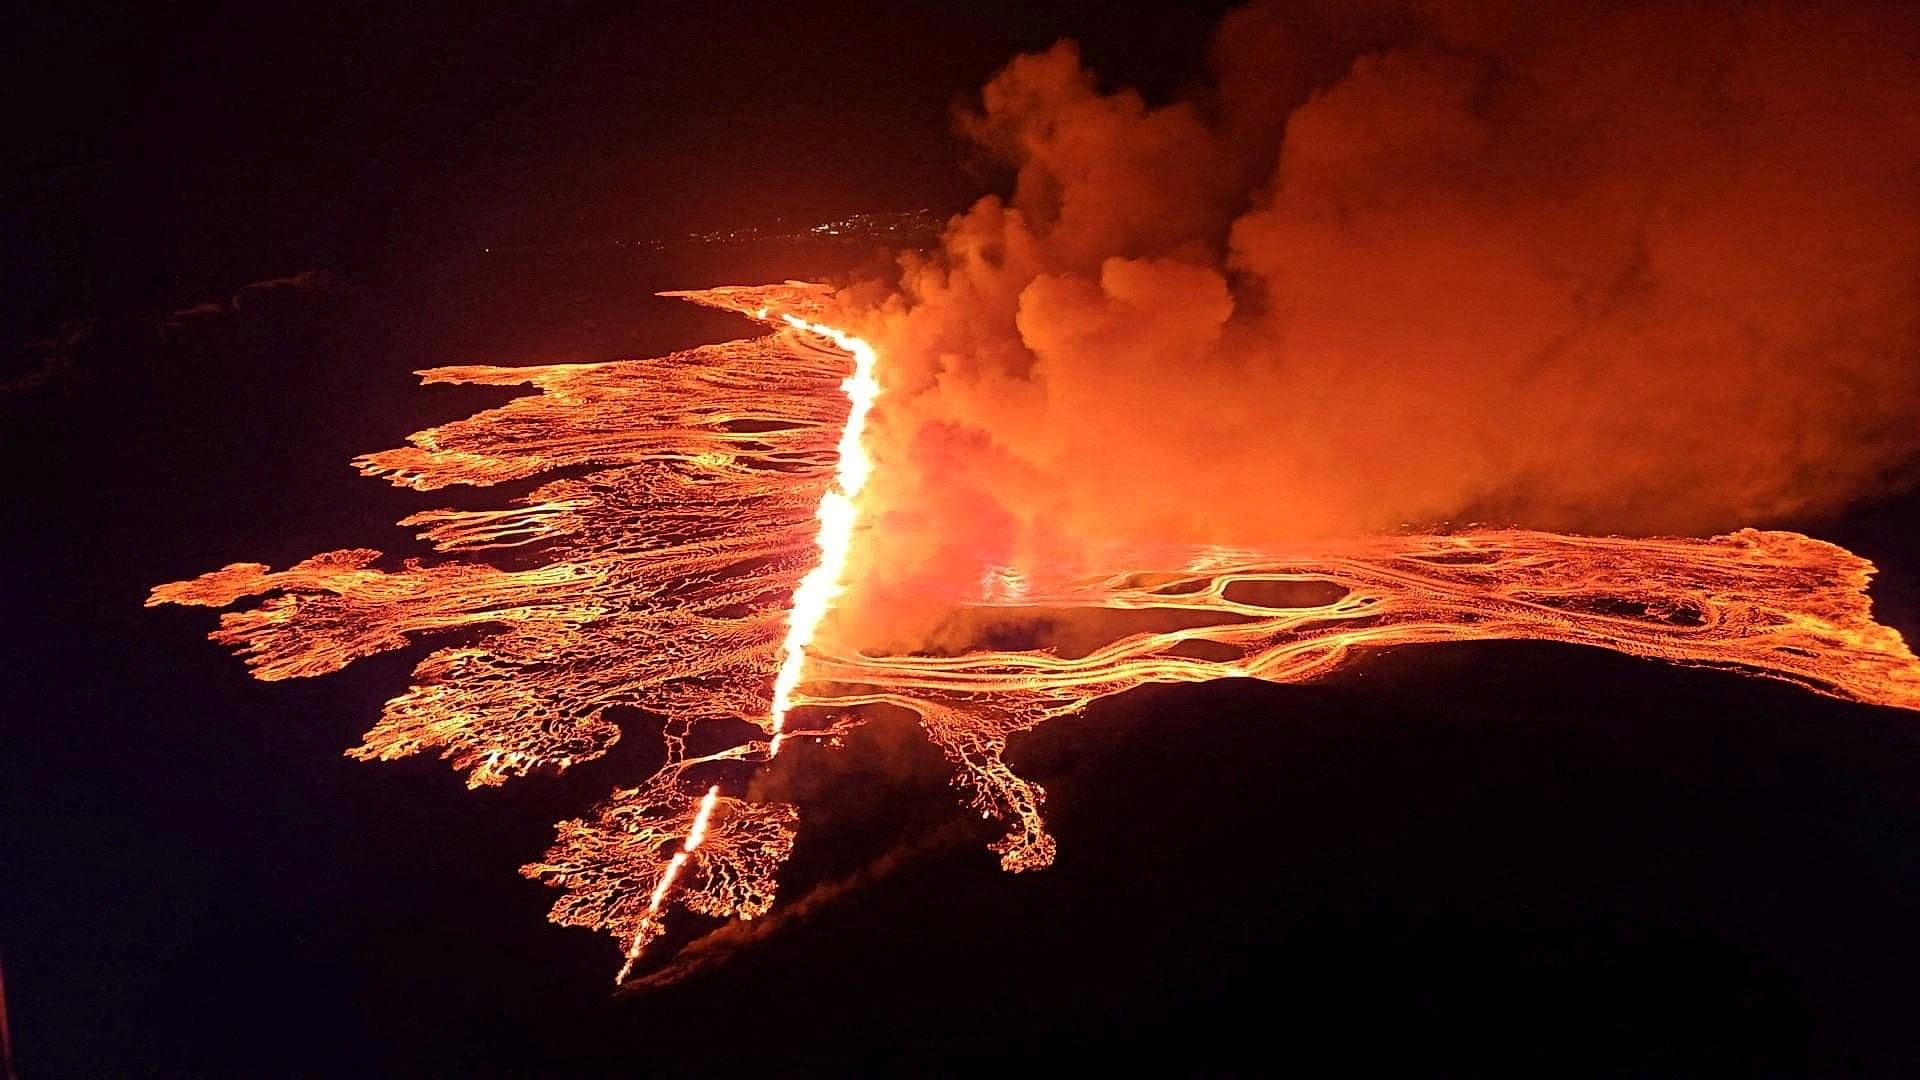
(1443, 860)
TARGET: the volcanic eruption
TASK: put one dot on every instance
(1201, 388)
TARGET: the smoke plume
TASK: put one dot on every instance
(1620, 269)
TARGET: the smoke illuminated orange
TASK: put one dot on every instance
(692, 570)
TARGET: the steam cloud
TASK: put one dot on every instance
(1621, 268)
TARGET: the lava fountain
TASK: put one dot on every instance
(837, 511)
(689, 560)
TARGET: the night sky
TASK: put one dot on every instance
(1437, 861)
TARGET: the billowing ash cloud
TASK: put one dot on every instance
(1641, 268)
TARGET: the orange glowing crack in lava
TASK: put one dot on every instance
(690, 570)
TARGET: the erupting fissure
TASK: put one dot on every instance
(695, 833)
(838, 511)
(712, 532)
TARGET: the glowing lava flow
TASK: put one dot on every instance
(1773, 604)
(686, 559)
(823, 583)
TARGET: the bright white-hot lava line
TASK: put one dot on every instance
(811, 599)
(696, 833)
(823, 583)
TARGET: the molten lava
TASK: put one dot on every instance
(822, 584)
(692, 570)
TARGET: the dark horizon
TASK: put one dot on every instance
(203, 146)
(1442, 859)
